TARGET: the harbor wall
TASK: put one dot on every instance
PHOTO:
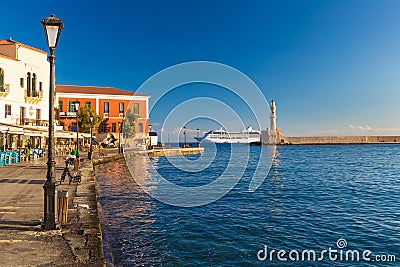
(339, 140)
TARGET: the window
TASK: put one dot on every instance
(72, 106)
(22, 112)
(60, 105)
(40, 86)
(38, 115)
(121, 107)
(21, 82)
(136, 109)
(8, 110)
(88, 104)
(1, 78)
(113, 127)
(28, 84)
(106, 107)
(33, 84)
(103, 127)
(140, 130)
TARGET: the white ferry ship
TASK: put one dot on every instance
(221, 136)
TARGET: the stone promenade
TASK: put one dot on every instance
(23, 242)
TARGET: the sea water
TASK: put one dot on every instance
(318, 206)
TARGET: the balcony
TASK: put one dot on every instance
(67, 114)
(33, 97)
(32, 122)
(4, 90)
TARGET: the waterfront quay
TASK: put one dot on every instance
(22, 240)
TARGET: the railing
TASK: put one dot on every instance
(37, 94)
(5, 88)
(39, 123)
(32, 122)
(67, 114)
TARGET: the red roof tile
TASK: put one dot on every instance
(94, 90)
(11, 42)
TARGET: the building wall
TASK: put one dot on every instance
(16, 68)
(113, 116)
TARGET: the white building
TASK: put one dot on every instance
(24, 90)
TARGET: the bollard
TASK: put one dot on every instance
(62, 214)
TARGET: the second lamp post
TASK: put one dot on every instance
(77, 127)
(91, 118)
(120, 125)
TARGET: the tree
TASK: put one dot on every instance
(84, 121)
(129, 129)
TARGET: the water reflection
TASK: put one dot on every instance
(123, 201)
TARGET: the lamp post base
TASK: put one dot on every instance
(49, 222)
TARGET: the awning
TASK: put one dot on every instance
(67, 135)
(86, 135)
(3, 129)
(27, 133)
(15, 130)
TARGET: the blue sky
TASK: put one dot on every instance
(333, 67)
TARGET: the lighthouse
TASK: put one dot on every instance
(272, 123)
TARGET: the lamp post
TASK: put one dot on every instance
(91, 118)
(77, 103)
(120, 124)
(149, 137)
(52, 28)
(184, 134)
(198, 142)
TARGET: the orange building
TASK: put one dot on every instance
(108, 102)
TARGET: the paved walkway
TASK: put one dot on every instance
(23, 242)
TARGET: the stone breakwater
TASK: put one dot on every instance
(339, 140)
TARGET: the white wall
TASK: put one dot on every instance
(28, 60)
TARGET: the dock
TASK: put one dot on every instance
(158, 152)
(174, 151)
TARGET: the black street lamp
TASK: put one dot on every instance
(91, 118)
(198, 142)
(52, 28)
(184, 134)
(76, 104)
(120, 125)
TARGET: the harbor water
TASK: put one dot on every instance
(317, 198)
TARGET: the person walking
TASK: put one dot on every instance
(27, 150)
